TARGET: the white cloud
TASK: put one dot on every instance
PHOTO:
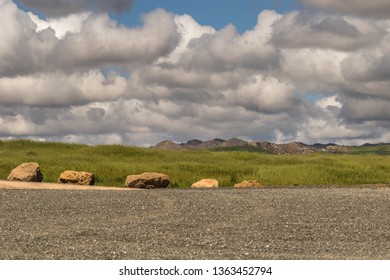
(329, 102)
(68, 24)
(101, 41)
(90, 41)
(264, 94)
(313, 69)
(188, 29)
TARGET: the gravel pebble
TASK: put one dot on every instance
(269, 223)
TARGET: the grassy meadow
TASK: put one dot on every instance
(112, 163)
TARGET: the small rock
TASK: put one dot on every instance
(248, 184)
(205, 183)
(26, 172)
(147, 180)
(77, 177)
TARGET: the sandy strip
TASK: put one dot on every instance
(55, 186)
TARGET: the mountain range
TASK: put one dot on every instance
(260, 146)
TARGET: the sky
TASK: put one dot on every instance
(138, 72)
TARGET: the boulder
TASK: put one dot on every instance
(77, 177)
(26, 172)
(148, 180)
(205, 183)
(248, 184)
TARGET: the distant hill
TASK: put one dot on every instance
(235, 144)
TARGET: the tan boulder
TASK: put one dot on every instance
(147, 180)
(248, 184)
(77, 177)
(26, 172)
(205, 183)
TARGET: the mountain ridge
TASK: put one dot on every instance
(260, 146)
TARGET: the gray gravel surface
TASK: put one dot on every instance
(269, 223)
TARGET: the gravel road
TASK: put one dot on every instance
(267, 223)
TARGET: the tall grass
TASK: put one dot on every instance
(112, 163)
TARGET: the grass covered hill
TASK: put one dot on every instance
(369, 164)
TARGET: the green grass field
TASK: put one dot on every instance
(112, 163)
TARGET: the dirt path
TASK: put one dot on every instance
(54, 186)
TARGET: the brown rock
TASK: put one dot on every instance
(148, 180)
(205, 183)
(26, 172)
(76, 177)
(248, 184)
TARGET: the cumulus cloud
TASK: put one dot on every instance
(85, 78)
(266, 95)
(59, 8)
(90, 42)
(226, 50)
(373, 8)
(102, 41)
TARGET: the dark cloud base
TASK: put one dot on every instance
(59, 8)
(373, 8)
